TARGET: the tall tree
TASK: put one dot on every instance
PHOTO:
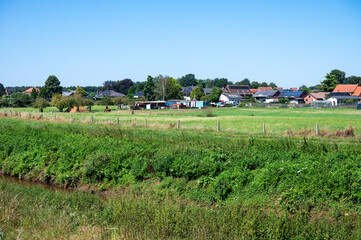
(197, 93)
(149, 88)
(272, 85)
(187, 80)
(2, 90)
(221, 82)
(255, 84)
(118, 86)
(51, 87)
(167, 88)
(340, 75)
(33, 94)
(353, 80)
(20, 99)
(305, 88)
(244, 82)
(79, 91)
(216, 92)
(263, 84)
(329, 84)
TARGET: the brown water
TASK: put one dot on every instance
(33, 184)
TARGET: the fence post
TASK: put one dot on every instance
(29, 115)
(71, 118)
(117, 120)
(264, 128)
(218, 126)
(11, 113)
(92, 119)
(145, 123)
(54, 117)
(316, 129)
(178, 124)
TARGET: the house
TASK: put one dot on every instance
(207, 91)
(357, 92)
(187, 92)
(242, 90)
(254, 90)
(345, 88)
(69, 93)
(138, 95)
(293, 96)
(265, 88)
(294, 89)
(262, 96)
(28, 91)
(109, 93)
(320, 96)
(230, 98)
(337, 99)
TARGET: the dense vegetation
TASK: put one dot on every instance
(259, 188)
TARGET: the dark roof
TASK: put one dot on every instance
(295, 94)
(345, 97)
(187, 90)
(110, 93)
(207, 90)
(233, 95)
(265, 93)
(339, 94)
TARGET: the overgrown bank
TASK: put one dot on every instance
(280, 181)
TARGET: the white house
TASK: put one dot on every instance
(230, 98)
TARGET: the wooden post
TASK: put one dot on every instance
(11, 113)
(264, 128)
(117, 120)
(29, 115)
(54, 117)
(145, 122)
(218, 126)
(316, 129)
(92, 119)
(71, 118)
(178, 124)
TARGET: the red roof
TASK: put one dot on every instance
(294, 89)
(265, 88)
(254, 90)
(357, 92)
(238, 89)
(350, 88)
(31, 89)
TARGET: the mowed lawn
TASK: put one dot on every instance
(237, 120)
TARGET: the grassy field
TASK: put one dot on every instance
(236, 120)
(161, 182)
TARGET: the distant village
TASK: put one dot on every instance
(166, 92)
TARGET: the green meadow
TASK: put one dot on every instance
(236, 120)
(84, 180)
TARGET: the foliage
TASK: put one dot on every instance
(221, 82)
(244, 82)
(33, 94)
(20, 99)
(118, 86)
(255, 84)
(105, 101)
(51, 87)
(149, 88)
(4, 102)
(80, 92)
(329, 84)
(353, 80)
(2, 90)
(41, 103)
(59, 101)
(340, 75)
(197, 93)
(283, 100)
(215, 94)
(187, 80)
(167, 88)
(304, 88)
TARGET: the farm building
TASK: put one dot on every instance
(242, 90)
(262, 96)
(320, 96)
(150, 104)
(293, 96)
(230, 98)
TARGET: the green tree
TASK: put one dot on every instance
(272, 85)
(255, 84)
(305, 88)
(4, 102)
(33, 94)
(216, 92)
(353, 80)
(51, 87)
(187, 80)
(149, 88)
(59, 101)
(41, 103)
(79, 91)
(221, 82)
(131, 92)
(263, 84)
(2, 90)
(244, 82)
(340, 75)
(174, 90)
(197, 93)
(20, 99)
(329, 84)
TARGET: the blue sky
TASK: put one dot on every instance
(88, 42)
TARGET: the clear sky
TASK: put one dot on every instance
(88, 42)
